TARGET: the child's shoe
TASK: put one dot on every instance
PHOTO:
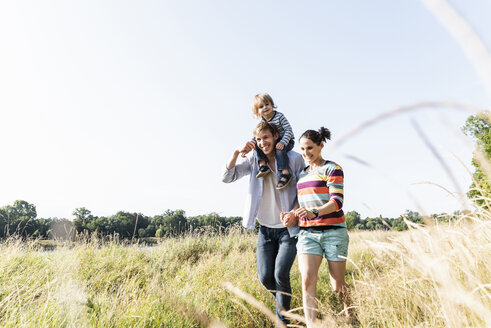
(284, 180)
(263, 170)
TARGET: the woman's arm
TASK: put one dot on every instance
(335, 182)
(325, 209)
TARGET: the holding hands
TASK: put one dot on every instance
(280, 145)
(289, 219)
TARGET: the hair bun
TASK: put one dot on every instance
(325, 133)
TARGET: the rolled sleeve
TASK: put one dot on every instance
(238, 171)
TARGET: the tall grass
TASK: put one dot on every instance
(177, 283)
(433, 276)
(437, 276)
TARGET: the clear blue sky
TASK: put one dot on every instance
(137, 105)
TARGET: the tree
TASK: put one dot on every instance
(44, 228)
(398, 224)
(413, 216)
(478, 126)
(18, 218)
(174, 222)
(82, 217)
(352, 219)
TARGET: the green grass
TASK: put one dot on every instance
(433, 277)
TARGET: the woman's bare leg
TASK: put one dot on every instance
(309, 269)
(337, 272)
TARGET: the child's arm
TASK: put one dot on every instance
(288, 132)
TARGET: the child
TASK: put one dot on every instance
(263, 106)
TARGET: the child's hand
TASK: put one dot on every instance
(280, 146)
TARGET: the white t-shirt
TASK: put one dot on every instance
(269, 213)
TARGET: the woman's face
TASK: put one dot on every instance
(311, 152)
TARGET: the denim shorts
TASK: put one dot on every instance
(329, 243)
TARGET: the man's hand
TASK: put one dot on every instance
(289, 219)
(280, 146)
(242, 150)
(246, 148)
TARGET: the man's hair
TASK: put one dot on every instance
(263, 125)
(261, 99)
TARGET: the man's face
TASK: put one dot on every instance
(266, 141)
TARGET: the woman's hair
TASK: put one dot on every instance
(263, 125)
(323, 134)
(261, 99)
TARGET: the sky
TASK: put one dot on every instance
(137, 105)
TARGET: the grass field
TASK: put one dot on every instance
(428, 277)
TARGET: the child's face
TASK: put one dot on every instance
(265, 109)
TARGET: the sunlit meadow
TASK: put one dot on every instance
(433, 276)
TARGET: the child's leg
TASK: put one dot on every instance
(262, 160)
(283, 166)
(282, 161)
(282, 158)
(261, 157)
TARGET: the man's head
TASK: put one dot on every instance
(266, 135)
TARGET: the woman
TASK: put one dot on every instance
(322, 224)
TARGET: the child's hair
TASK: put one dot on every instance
(263, 125)
(317, 137)
(261, 99)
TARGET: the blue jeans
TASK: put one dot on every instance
(275, 254)
(280, 155)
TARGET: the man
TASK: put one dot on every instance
(273, 209)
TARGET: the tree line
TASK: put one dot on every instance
(20, 219)
(354, 221)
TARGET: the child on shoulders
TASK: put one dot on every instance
(263, 106)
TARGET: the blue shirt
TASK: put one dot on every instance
(288, 195)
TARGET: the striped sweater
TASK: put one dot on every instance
(284, 128)
(318, 187)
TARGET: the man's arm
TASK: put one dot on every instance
(236, 171)
(249, 145)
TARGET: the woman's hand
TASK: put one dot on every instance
(302, 212)
(280, 146)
